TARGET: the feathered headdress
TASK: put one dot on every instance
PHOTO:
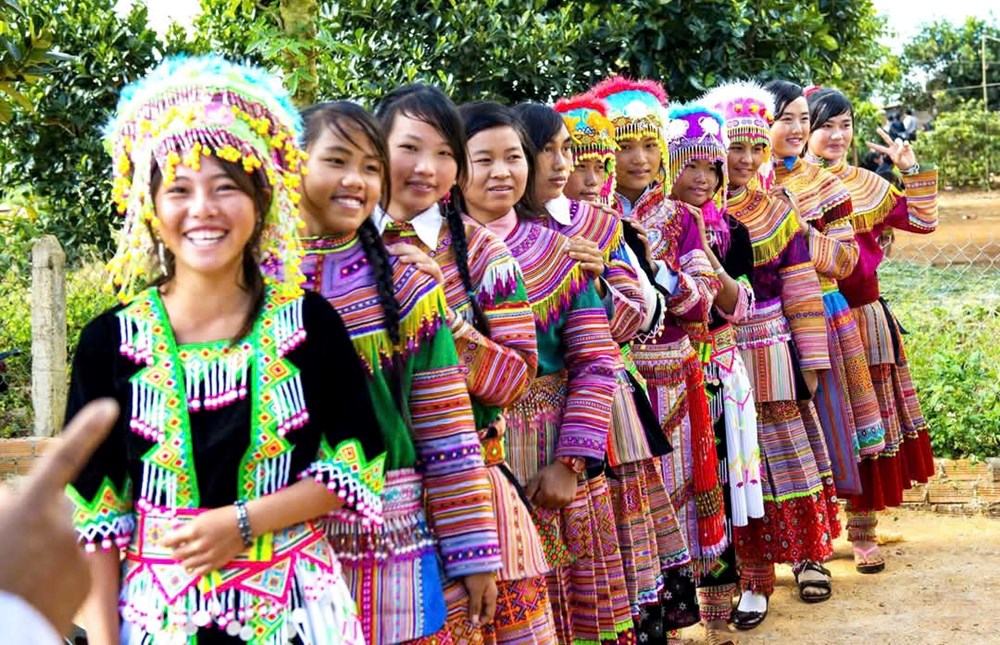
(192, 107)
(697, 132)
(593, 134)
(748, 110)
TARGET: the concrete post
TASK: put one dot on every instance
(48, 335)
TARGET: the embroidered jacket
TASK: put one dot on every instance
(825, 203)
(573, 334)
(789, 303)
(205, 424)
(443, 443)
(879, 205)
(627, 308)
(498, 366)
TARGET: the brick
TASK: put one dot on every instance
(42, 445)
(993, 510)
(8, 469)
(963, 469)
(988, 492)
(955, 509)
(916, 495)
(994, 463)
(951, 492)
(16, 448)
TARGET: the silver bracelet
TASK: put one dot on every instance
(912, 170)
(243, 523)
(719, 271)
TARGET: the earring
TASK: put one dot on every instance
(161, 251)
(447, 198)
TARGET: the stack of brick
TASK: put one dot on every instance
(960, 487)
(17, 455)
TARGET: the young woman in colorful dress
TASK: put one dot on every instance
(233, 445)
(784, 336)
(597, 240)
(557, 433)
(664, 356)
(490, 318)
(407, 572)
(878, 205)
(697, 169)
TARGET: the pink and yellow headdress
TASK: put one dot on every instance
(748, 113)
(696, 132)
(192, 107)
(638, 109)
(593, 134)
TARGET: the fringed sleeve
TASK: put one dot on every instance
(590, 360)
(628, 308)
(459, 495)
(103, 512)
(802, 304)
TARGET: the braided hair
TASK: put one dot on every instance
(350, 122)
(432, 106)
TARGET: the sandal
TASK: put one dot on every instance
(865, 562)
(823, 585)
(719, 637)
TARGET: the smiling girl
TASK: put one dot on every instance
(878, 205)
(397, 316)
(557, 433)
(234, 449)
(490, 318)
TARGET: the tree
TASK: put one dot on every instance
(948, 56)
(55, 147)
(25, 55)
(965, 145)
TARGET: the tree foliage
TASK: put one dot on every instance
(965, 144)
(25, 54)
(948, 56)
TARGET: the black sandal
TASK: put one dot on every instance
(744, 620)
(815, 584)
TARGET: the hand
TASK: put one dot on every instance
(208, 542)
(588, 254)
(42, 561)
(699, 221)
(482, 588)
(554, 486)
(899, 151)
(410, 254)
(787, 196)
(812, 381)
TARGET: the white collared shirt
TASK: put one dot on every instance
(427, 224)
(558, 208)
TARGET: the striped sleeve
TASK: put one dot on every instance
(832, 247)
(629, 307)
(802, 304)
(590, 361)
(459, 495)
(916, 210)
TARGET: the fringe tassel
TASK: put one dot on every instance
(549, 309)
(766, 249)
(499, 281)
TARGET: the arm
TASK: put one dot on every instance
(100, 611)
(832, 247)
(916, 210)
(802, 304)
(458, 492)
(735, 300)
(624, 299)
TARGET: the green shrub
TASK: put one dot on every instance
(963, 144)
(953, 319)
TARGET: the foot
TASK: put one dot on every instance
(751, 611)
(814, 582)
(717, 633)
(867, 557)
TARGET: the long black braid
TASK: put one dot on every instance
(351, 122)
(460, 245)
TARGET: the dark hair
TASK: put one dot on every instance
(540, 122)
(826, 104)
(349, 120)
(485, 115)
(784, 92)
(254, 185)
(432, 106)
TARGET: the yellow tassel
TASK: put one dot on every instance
(768, 248)
(549, 307)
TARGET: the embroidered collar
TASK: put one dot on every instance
(426, 225)
(502, 227)
(559, 210)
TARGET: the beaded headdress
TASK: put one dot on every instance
(638, 109)
(696, 132)
(592, 133)
(748, 111)
(192, 107)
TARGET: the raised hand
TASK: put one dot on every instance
(899, 151)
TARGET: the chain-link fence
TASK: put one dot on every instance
(15, 354)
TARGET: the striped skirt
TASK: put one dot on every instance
(906, 455)
(796, 523)
(586, 583)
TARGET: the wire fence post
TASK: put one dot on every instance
(48, 335)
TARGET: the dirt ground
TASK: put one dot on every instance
(939, 587)
(969, 222)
